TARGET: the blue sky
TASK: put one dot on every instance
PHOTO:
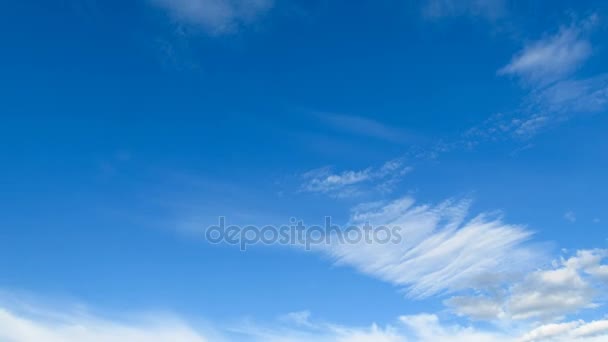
(129, 127)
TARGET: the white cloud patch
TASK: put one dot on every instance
(546, 107)
(61, 327)
(352, 183)
(569, 331)
(549, 331)
(440, 251)
(299, 318)
(549, 294)
(501, 126)
(547, 68)
(575, 96)
(591, 262)
(216, 16)
(552, 58)
(478, 307)
(529, 126)
(570, 286)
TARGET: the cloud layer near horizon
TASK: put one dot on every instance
(39, 324)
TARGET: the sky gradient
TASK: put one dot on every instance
(127, 128)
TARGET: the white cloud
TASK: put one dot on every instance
(31, 323)
(529, 126)
(321, 332)
(570, 331)
(590, 261)
(300, 318)
(428, 328)
(47, 327)
(555, 95)
(440, 249)
(546, 107)
(443, 251)
(552, 58)
(545, 294)
(351, 183)
(216, 16)
(550, 294)
(549, 331)
(569, 97)
(594, 328)
(477, 307)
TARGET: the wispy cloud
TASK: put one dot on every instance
(216, 16)
(573, 96)
(425, 327)
(51, 326)
(552, 58)
(560, 102)
(546, 68)
(32, 323)
(351, 183)
(365, 127)
(442, 250)
(547, 107)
